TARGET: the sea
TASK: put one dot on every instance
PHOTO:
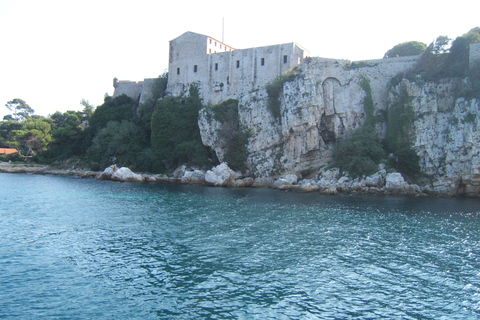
(73, 248)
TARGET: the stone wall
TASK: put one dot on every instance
(226, 73)
(474, 54)
(132, 89)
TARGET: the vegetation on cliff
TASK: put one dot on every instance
(361, 152)
(275, 89)
(232, 132)
(175, 133)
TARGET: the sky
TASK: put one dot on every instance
(54, 53)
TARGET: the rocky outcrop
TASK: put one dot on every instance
(323, 104)
(107, 173)
(446, 136)
(125, 174)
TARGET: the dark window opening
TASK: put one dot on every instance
(263, 61)
(285, 59)
(195, 68)
(238, 64)
(216, 66)
(228, 80)
(178, 70)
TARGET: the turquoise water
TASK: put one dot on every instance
(86, 249)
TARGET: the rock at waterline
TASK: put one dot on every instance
(125, 174)
(107, 173)
(220, 175)
(120, 174)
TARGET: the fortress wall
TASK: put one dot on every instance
(226, 73)
(131, 89)
(474, 54)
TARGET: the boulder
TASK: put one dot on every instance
(179, 172)
(394, 182)
(107, 173)
(308, 186)
(195, 176)
(220, 175)
(282, 184)
(263, 182)
(292, 178)
(125, 174)
(377, 179)
(329, 175)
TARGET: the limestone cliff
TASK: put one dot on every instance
(324, 104)
(447, 136)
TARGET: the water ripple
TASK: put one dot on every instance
(80, 249)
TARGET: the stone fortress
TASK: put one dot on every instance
(322, 105)
(223, 72)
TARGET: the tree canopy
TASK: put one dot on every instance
(409, 48)
(21, 110)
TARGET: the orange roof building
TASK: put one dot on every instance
(8, 150)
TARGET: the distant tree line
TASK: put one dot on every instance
(155, 136)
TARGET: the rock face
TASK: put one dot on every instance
(447, 136)
(324, 104)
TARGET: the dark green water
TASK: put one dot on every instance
(86, 249)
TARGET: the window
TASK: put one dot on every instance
(285, 59)
(209, 50)
(263, 61)
(228, 80)
(178, 70)
(195, 68)
(215, 43)
(220, 46)
(216, 66)
(238, 64)
(210, 41)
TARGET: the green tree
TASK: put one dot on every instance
(33, 137)
(6, 129)
(409, 48)
(119, 140)
(361, 152)
(87, 109)
(175, 134)
(21, 110)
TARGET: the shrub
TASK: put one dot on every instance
(175, 134)
(275, 88)
(360, 153)
(232, 132)
(406, 161)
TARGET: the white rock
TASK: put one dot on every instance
(282, 184)
(195, 176)
(394, 182)
(179, 172)
(220, 175)
(107, 173)
(377, 179)
(292, 178)
(125, 174)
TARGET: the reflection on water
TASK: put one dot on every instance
(76, 249)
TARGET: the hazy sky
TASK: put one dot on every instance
(54, 53)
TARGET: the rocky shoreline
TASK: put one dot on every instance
(327, 182)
